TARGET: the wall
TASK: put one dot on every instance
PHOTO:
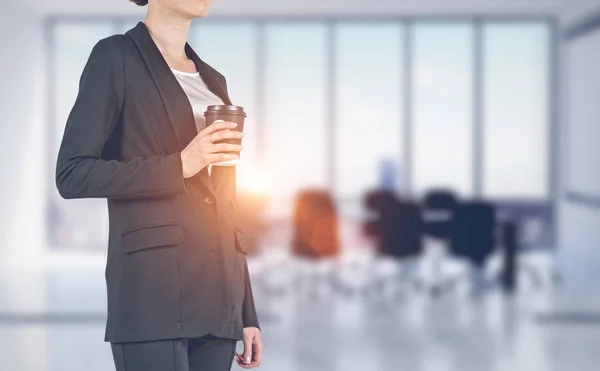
(295, 7)
(582, 114)
(573, 10)
(579, 222)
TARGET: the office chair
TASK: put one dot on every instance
(439, 211)
(315, 241)
(469, 230)
(397, 233)
(474, 239)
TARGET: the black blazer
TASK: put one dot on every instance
(176, 263)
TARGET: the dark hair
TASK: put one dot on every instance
(140, 2)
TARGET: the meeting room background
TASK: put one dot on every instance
(419, 183)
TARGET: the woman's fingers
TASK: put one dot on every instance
(225, 134)
(240, 361)
(226, 147)
(216, 126)
(220, 157)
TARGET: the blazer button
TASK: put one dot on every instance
(209, 200)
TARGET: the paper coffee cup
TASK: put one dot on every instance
(216, 113)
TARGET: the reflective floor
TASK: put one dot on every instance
(52, 319)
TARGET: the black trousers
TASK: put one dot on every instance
(202, 354)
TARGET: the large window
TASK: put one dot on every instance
(369, 117)
(352, 105)
(442, 67)
(516, 91)
(295, 121)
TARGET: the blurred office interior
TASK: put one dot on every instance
(419, 183)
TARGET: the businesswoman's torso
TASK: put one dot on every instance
(176, 265)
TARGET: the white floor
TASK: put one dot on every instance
(52, 319)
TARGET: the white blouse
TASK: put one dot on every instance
(199, 96)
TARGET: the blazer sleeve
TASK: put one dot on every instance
(80, 170)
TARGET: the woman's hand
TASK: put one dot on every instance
(202, 150)
(253, 347)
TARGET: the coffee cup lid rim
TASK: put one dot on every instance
(224, 107)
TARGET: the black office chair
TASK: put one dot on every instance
(474, 232)
(397, 233)
(440, 207)
(474, 238)
(469, 230)
(439, 211)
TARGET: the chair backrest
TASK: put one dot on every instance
(315, 225)
(397, 226)
(474, 234)
(407, 231)
(468, 226)
(440, 199)
(439, 212)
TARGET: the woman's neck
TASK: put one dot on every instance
(169, 31)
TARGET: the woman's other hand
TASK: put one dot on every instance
(253, 347)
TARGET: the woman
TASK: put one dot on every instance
(179, 295)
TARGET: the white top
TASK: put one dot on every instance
(199, 96)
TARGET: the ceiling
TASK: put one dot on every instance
(294, 7)
(565, 10)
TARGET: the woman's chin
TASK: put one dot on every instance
(201, 11)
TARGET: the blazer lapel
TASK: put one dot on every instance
(209, 75)
(174, 99)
